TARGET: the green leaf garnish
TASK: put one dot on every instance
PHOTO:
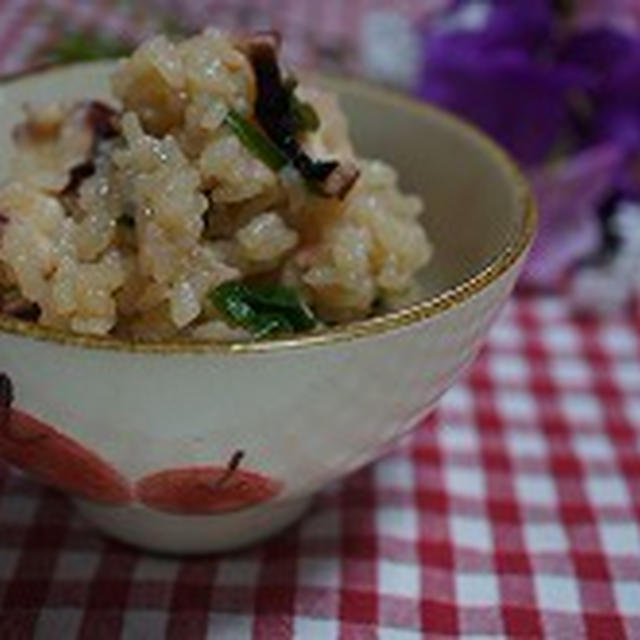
(79, 46)
(304, 115)
(284, 301)
(256, 141)
(264, 310)
(262, 147)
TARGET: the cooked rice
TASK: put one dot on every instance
(176, 205)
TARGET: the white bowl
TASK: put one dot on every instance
(146, 438)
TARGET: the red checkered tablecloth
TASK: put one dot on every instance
(513, 511)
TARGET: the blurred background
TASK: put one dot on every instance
(557, 82)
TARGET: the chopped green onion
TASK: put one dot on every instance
(256, 141)
(79, 46)
(305, 115)
(284, 300)
(264, 310)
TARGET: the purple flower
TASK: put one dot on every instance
(518, 74)
(542, 83)
(514, 96)
(568, 193)
(607, 63)
(525, 25)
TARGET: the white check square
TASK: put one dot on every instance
(550, 309)
(16, 508)
(526, 443)
(581, 407)
(76, 565)
(517, 405)
(560, 338)
(308, 628)
(8, 561)
(618, 340)
(459, 438)
(387, 633)
(458, 398)
(545, 537)
(397, 522)
(152, 568)
(557, 593)
(470, 532)
(627, 374)
(607, 490)
(396, 472)
(620, 538)
(477, 590)
(592, 447)
(469, 481)
(398, 579)
(238, 572)
(58, 623)
(570, 371)
(627, 597)
(227, 626)
(141, 624)
(509, 368)
(632, 409)
(506, 335)
(319, 572)
(536, 488)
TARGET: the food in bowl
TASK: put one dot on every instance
(134, 432)
(221, 201)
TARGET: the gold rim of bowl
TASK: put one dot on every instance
(447, 299)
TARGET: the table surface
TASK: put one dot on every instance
(514, 510)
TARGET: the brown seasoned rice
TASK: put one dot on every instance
(174, 205)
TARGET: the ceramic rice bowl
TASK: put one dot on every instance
(194, 447)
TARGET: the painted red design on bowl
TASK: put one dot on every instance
(206, 490)
(54, 458)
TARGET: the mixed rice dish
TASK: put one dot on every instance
(220, 200)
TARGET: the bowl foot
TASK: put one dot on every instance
(179, 534)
